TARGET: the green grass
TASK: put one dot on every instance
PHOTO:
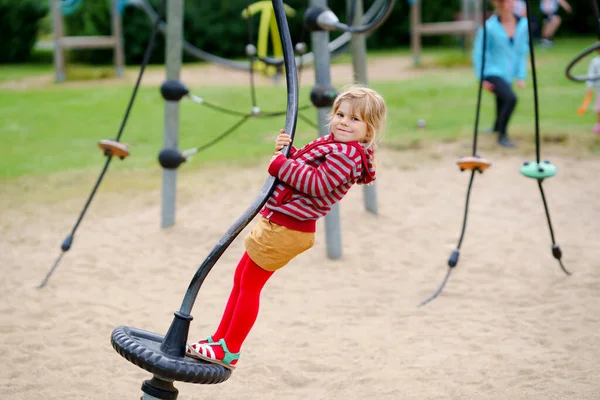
(56, 128)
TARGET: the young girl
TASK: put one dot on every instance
(593, 70)
(311, 180)
(505, 60)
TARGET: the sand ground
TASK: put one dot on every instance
(509, 325)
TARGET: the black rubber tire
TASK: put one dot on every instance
(142, 348)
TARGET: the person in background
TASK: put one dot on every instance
(593, 86)
(507, 39)
(552, 21)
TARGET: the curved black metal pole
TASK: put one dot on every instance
(269, 186)
(578, 58)
(587, 51)
(381, 17)
(336, 46)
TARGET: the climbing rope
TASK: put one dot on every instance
(110, 147)
(535, 170)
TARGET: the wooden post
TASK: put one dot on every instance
(415, 28)
(117, 32)
(59, 54)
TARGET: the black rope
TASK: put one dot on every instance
(535, 93)
(555, 248)
(267, 190)
(437, 292)
(308, 121)
(280, 113)
(260, 114)
(464, 225)
(253, 114)
(196, 150)
(556, 252)
(455, 254)
(66, 245)
(223, 109)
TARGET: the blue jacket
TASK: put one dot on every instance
(503, 58)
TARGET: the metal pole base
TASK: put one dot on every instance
(157, 389)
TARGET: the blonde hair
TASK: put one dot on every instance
(371, 108)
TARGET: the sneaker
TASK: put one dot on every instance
(504, 141)
(546, 43)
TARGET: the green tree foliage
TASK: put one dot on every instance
(19, 25)
(217, 26)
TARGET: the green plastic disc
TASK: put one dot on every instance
(535, 170)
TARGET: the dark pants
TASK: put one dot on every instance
(506, 100)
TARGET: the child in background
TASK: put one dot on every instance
(311, 180)
(593, 70)
(553, 20)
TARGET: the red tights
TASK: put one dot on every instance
(243, 304)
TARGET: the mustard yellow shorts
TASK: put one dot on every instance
(272, 246)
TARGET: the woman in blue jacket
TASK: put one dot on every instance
(507, 46)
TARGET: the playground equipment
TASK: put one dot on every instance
(320, 21)
(467, 25)
(538, 170)
(322, 97)
(358, 44)
(592, 49)
(267, 23)
(164, 356)
(335, 47)
(110, 148)
(62, 43)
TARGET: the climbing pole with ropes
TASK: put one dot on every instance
(110, 148)
(538, 169)
(164, 356)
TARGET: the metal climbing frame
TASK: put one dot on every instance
(62, 43)
(467, 25)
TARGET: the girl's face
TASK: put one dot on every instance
(346, 126)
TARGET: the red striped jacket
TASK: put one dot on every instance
(313, 179)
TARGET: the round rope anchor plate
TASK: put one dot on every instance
(142, 348)
(473, 163)
(578, 58)
(535, 170)
(114, 148)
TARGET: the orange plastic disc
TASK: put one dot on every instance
(473, 163)
(114, 148)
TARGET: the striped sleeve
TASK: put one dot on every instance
(337, 169)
